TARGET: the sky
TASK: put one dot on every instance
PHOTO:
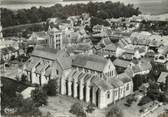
(127, 1)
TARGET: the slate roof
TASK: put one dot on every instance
(46, 53)
(121, 63)
(92, 62)
(52, 54)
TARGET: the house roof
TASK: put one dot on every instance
(121, 63)
(111, 47)
(163, 50)
(162, 77)
(92, 62)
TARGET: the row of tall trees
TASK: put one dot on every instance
(101, 10)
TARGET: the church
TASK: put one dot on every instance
(90, 78)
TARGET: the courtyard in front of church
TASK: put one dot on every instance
(59, 106)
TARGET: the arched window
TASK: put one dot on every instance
(57, 72)
(108, 94)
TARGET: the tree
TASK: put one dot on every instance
(153, 91)
(39, 97)
(166, 88)
(28, 109)
(115, 112)
(144, 100)
(51, 87)
(24, 78)
(78, 110)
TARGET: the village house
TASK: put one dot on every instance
(39, 38)
(139, 67)
(162, 55)
(109, 50)
(162, 78)
(8, 53)
(80, 48)
(121, 65)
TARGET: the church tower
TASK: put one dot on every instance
(55, 38)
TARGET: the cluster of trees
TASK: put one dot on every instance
(99, 10)
(155, 26)
(79, 111)
(13, 104)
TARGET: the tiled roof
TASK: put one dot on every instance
(121, 63)
(92, 62)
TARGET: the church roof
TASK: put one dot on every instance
(116, 83)
(47, 53)
(95, 62)
(124, 77)
(102, 84)
(52, 54)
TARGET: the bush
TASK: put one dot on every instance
(78, 110)
(28, 109)
(115, 112)
(90, 108)
(39, 97)
(144, 100)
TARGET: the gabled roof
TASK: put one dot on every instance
(47, 53)
(121, 63)
(92, 62)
